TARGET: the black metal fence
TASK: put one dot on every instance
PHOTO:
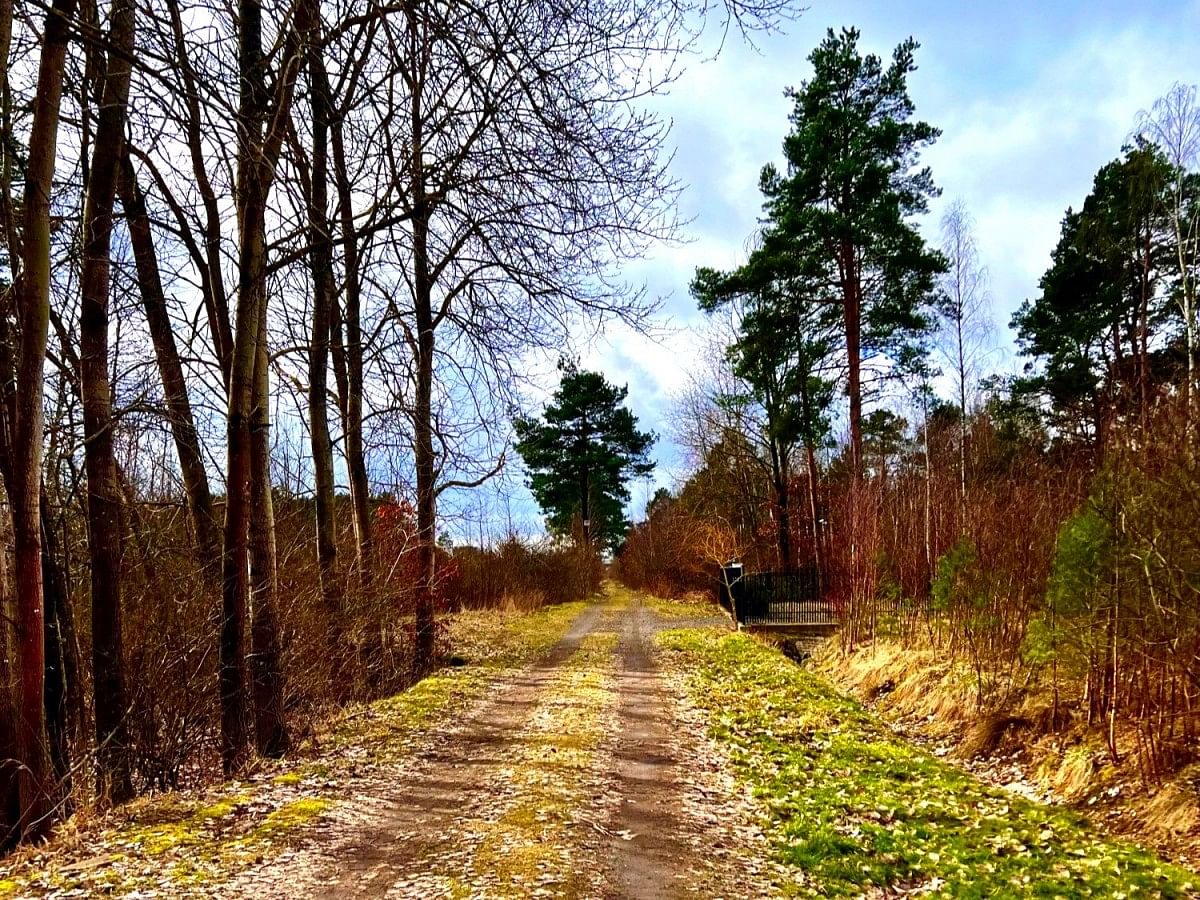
(776, 598)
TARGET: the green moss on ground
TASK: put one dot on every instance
(289, 817)
(487, 641)
(529, 843)
(854, 808)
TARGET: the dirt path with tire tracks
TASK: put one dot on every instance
(584, 775)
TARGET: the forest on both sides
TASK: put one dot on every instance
(271, 279)
(271, 276)
(1029, 540)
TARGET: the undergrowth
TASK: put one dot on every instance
(695, 607)
(855, 808)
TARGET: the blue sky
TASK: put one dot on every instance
(1032, 99)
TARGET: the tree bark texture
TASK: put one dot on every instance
(113, 780)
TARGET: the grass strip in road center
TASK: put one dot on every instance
(853, 807)
(531, 848)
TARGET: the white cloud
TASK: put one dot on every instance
(1021, 157)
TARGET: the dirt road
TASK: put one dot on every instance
(585, 775)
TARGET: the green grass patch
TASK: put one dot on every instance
(683, 609)
(495, 639)
(852, 807)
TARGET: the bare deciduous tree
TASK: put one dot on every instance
(962, 308)
(1173, 123)
(28, 303)
(105, 530)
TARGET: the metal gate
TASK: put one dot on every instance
(777, 598)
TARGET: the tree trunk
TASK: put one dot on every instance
(10, 812)
(423, 439)
(852, 318)
(929, 565)
(352, 424)
(320, 256)
(174, 382)
(8, 224)
(783, 516)
(234, 581)
(784, 526)
(852, 322)
(585, 489)
(424, 460)
(62, 664)
(25, 428)
(1141, 339)
(270, 729)
(962, 414)
(258, 155)
(104, 496)
(810, 457)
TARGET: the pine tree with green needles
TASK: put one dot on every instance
(842, 210)
(581, 455)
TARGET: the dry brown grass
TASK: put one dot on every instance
(1174, 809)
(903, 681)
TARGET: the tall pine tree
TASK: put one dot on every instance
(581, 455)
(783, 355)
(842, 211)
(1091, 334)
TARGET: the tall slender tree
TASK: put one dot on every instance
(962, 313)
(1173, 125)
(262, 122)
(321, 269)
(28, 303)
(844, 205)
(105, 531)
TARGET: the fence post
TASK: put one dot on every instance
(731, 574)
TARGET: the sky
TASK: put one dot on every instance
(1032, 98)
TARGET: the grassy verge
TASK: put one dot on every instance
(855, 808)
(181, 844)
(684, 608)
